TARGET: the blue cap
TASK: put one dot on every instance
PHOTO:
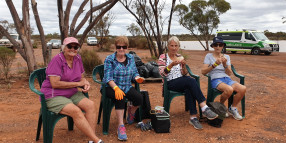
(217, 40)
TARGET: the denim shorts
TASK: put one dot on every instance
(226, 80)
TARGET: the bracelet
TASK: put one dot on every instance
(215, 64)
(168, 68)
(115, 87)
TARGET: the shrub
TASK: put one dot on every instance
(6, 59)
(90, 59)
(138, 42)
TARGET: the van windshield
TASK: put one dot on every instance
(259, 36)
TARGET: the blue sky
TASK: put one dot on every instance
(246, 14)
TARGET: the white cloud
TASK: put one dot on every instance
(250, 14)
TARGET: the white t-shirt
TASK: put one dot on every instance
(219, 71)
(175, 70)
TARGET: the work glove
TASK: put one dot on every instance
(139, 79)
(144, 126)
(118, 93)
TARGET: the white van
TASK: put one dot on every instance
(248, 41)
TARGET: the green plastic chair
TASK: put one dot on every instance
(213, 92)
(46, 117)
(106, 103)
(169, 94)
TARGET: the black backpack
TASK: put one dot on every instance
(146, 107)
(221, 110)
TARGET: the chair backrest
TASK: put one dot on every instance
(98, 70)
(40, 75)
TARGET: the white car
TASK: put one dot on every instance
(91, 41)
(4, 42)
(55, 43)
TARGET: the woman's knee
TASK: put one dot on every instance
(90, 106)
(242, 89)
(228, 91)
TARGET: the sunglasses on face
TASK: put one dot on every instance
(73, 46)
(220, 45)
(119, 47)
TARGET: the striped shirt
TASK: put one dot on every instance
(122, 75)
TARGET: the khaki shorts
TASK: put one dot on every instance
(56, 104)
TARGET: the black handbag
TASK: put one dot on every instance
(160, 122)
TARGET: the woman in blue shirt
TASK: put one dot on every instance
(119, 71)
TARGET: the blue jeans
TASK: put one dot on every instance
(191, 89)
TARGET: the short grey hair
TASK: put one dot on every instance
(175, 39)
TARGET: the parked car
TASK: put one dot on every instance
(91, 41)
(55, 43)
(4, 42)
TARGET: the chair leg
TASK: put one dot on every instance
(243, 106)
(39, 127)
(99, 113)
(166, 103)
(70, 123)
(106, 115)
(48, 129)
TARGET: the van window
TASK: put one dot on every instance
(230, 36)
(249, 36)
(260, 36)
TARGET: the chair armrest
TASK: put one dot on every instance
(238, 75)
(197, 77)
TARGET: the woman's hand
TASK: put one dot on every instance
(218, 61)
(86, 87)
(223, 60)
(175, 63)
(139, 79)
(118, 93)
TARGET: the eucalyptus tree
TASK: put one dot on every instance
(202, 17)
(23, 27)
(148, 15)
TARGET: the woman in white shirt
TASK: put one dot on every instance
(173, 66)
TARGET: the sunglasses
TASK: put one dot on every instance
(119, 47)
(220, 45)
(74, 47)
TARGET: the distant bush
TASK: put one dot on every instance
(107, 46)
(6, 59)
(138, 42)
(90, 59)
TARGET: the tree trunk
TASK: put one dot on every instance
(45, 50)
(23, 29)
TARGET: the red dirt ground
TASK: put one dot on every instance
(265, 78)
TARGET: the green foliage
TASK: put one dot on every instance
(202, 17)
(6, 59)
(90, 59)
(134, 30)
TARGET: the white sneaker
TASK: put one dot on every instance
(235, 114)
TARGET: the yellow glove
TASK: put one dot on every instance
(139, 79)
(118, 93)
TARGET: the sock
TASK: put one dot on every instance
(204, 108)
(232, 108)
(193, 118)
(99, 141)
